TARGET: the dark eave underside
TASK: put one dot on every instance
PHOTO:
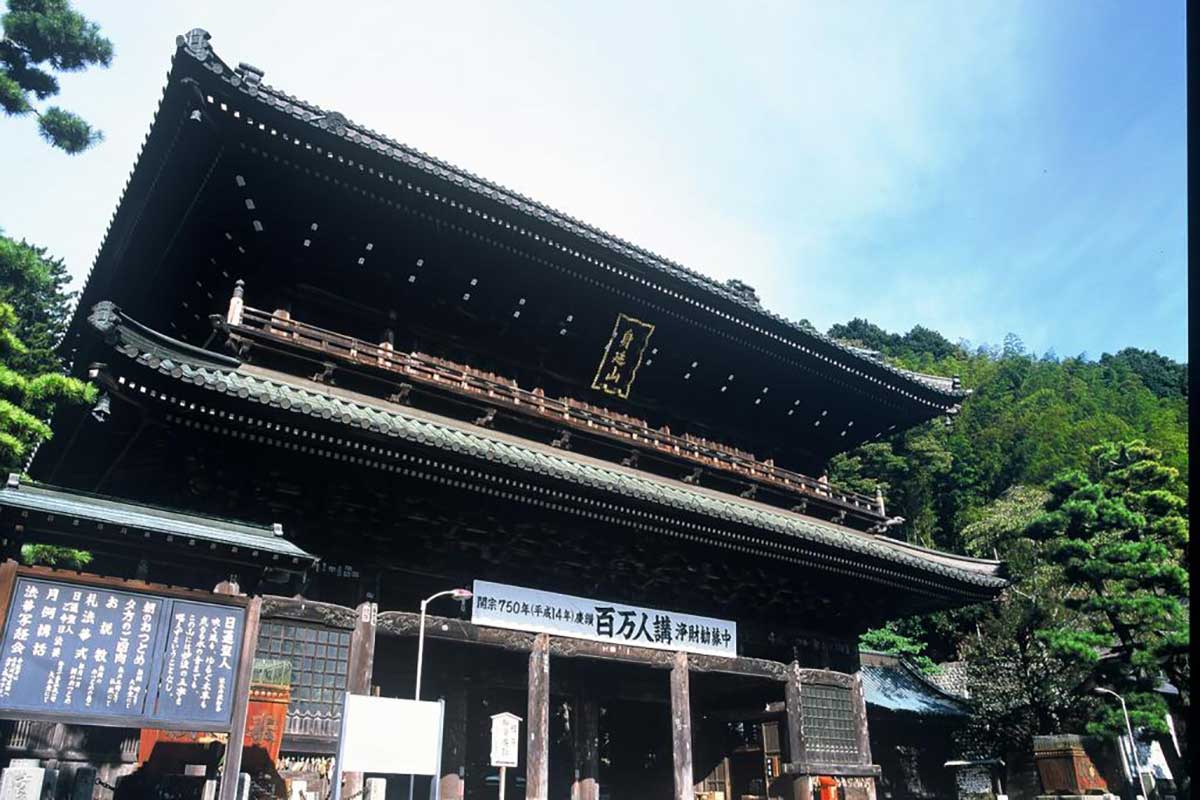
(197, 70)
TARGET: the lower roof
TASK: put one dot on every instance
(892, 684)
(933, 572)
(253, 540)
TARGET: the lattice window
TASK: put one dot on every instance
(319, 658)
(830, 734)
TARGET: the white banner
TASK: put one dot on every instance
(518, 608)
(386, 734)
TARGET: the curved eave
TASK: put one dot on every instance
(937, 573)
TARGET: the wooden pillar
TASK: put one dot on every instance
(537, 756)
(681, 729)
(587, 749)
(799, 787)
(358, 673)
(241, 704)
(454, 741)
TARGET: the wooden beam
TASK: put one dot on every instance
(681, 728)
(405, 623)
(302, 610)
(796, 787)
(537, 755)
(358, 676)
(587, 748)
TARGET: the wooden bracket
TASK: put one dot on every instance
(630, 460)
(839, 518)
(694, 476)
(563, 441)
(750, 492)
(326, 372)
(489, 416)
(401, 394)
(801, 507)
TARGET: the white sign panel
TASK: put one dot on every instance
(506, 739)
(386, 734)
(518, 608)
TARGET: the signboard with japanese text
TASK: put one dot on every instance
(92, 652)
(622, 356)
(506, 739)
(518, 608)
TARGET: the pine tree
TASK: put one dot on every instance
(42, 37)
(1119, 533)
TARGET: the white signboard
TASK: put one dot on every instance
(506, 739)
(386, 734)
(502, 606)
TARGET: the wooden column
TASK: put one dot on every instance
(799, 787)
(241, 704)
(358, 673)
(681, 728)
(454, 740)
(587, 749)
(537, 756)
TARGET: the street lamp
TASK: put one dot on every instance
(1137, 765)
(457, 594)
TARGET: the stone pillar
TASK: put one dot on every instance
(22, 780)
(537, 755)
(681, 729)
(358, 673)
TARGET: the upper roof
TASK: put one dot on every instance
(27, 496)
(264, 125)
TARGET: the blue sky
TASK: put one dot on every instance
(978, 168)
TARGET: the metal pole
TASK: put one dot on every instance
(1137, 765)
(412, 779)
(503, 778)
(336, 778)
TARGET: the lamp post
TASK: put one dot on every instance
(457, 594)
(1137, 765)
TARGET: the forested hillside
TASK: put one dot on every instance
(1029, 418)
(1073, 471)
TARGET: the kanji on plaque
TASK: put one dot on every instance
(87, 651)
(76, 649)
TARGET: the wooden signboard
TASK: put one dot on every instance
(92, 650)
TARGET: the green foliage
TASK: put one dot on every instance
(891, 641)
(1118, 534)
(42, 37)
(52, 555)
(1093, 532)
(32, 383)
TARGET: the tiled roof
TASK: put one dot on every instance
(224, 375)
(899, 688)
(247, 80)
(150, 519)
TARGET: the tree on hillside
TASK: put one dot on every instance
(1119, 534)
(1160, 374)
(42, 37)
(33, 315)
(1020, 687)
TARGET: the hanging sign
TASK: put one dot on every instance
(506, 739)
(93, 653)
(502, 606)
(622, 356)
